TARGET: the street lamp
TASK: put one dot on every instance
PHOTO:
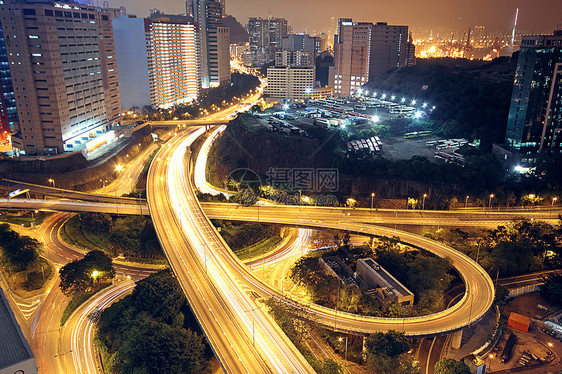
(490, 201)
(118, 168)
(51, 180)
(554, 200)
(253, 328)
(372, 197)
(340, 339)
(466, 202)
(423, 202)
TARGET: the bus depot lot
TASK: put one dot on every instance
(398, 148)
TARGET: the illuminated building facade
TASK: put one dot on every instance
(8, 108)
(363, 51)
(174, 70)
(62, 64)
(214, 42)
(266, 37)
(158, 61)
(292, 77)
(535, 117)
(352, 56)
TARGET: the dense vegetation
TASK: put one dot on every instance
(388, 353)
(20, 256)
(152, 331)
(426, 276)
(471, 97)
(552, 289)
(516, 248)
(131, 236)
(240, 236)
(87, 273)
(451, 366)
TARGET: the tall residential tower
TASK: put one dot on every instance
(214, 42)
(62, 64)
(535, 116)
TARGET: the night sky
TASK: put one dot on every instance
(315, 15)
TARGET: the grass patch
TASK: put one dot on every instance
(78, 299)
(25, 220)
(72, 233)
(259, 249)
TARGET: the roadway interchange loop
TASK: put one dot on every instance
(219, 286)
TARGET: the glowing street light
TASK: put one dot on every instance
(403, 100)
(375, 119)
(119, 168)
(95, 274)
(417, 115)
(423, 203)
(340, 339)
(554, 200)
(384, 96)
(51, 180)
(490, 201)
(466, 202)
(414, 102)
(392, 97)
(372, 197)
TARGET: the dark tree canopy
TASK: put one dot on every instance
(152, 330)
(391, 344)
(81, 275)
(20, 251)
(450, 366)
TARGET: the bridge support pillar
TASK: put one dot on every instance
(456, 340)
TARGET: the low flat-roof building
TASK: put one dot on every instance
(386, 286)
(15, 353)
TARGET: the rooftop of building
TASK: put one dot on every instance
(13, 346)
(386, 276)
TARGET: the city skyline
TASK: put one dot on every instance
(430, 14)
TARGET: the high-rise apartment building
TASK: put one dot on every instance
(301, 42)
(389, 48)
(8, 108)
(535, 116)
(292, 77)
(267, 34)
(352, 57)
(62, 65)
(158, 61)
(297, 58)
(290, 82)
(214, 42)
(363, 51)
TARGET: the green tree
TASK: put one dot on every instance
(81, 275)
(22, 252)
(160, 296)
(95, 222)
(551, 288)
(155, 347)
(391, 344)
(451, 366)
